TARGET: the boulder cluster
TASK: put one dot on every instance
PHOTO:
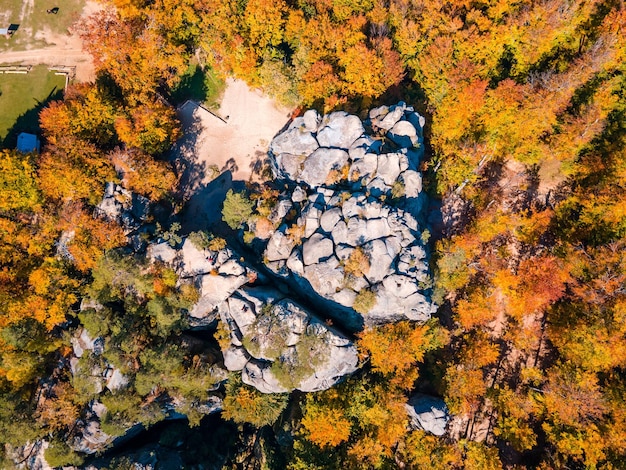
(279, 346)
(346, 242)
(349, 239)
(276, 343)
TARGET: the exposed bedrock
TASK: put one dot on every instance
(355, 247)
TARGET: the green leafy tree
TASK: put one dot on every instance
(237, 209)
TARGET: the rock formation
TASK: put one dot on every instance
(355, 246)
(428, 413)
(277, 344)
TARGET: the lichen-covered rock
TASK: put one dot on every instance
(82, 342)
(279, 346)
(162, 252)
(89, 437)
(30, 456)
(124, 207)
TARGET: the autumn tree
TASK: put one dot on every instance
(394, 350)
(143, 174)
(137, 57)
(18, 183)
(245, 404)
(151, 127)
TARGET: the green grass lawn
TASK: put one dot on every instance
(34, 22)
(21, 99)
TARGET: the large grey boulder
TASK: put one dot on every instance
(217, 274)
(404, 134)
(82, 342)
(339, 130)
(279, 246)
(195, 260)
(428, 413)
(311, 120)
(288, 165)
(30, 456)
(326, 277)
(115, 380)
(162, 252)
(330, 218)
(89, 438)
(389, 168)
(235, 358)
(319, 164)
(316, 248)
(296, 140)
(386, 117)
(214, 289)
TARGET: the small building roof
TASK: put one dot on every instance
(27, 143)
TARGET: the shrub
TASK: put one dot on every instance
(364, 301)
(293, 367)
(171, 236)
(244, 404)
(59, 454)
(217, 244)
(237, 209)
(357, 264)
(248, 237)
(275, 334)
(295, 233)
(397, 190)
(291, 371)
(200, 240)
(325, 426)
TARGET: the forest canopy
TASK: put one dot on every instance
(526, 163)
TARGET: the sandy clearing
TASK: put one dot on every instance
(236, 136)
(237, 146)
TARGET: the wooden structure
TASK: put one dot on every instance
(9, 31)
(15, 68)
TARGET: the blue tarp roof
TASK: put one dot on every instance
(27, 143)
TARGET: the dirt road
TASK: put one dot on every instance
(54, 55)
(63, 49)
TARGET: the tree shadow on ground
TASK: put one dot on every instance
(29, 121)
(192, 86)
(260, 165)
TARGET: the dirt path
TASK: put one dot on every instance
(63, 49)
(54, 55)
